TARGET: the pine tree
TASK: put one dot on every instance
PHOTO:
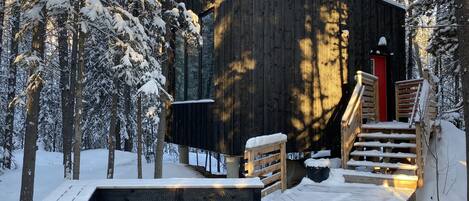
(33, 91)
(462, 18)
(9, 128)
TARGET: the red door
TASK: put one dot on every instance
(379, 70)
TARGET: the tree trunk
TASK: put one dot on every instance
(8, 143)
(118, 134)
(160, 143)
(33, 91)
(79, 106)
(128, 141)
(182, 149)
(139, 136)
(165, 114)
(2, 17)
(463, 18)
(112, 131)
(67, 115)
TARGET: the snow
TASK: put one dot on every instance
(49, 171)
(323, 162)
(83, 190)
(390, 136)
(376, 153)
(265, 140)
(387, 125)
(395, 3)
(194, 101)
(321, 154)
(335, 189)
(382, 41)
(383, 164)
(452, 166)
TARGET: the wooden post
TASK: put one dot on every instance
(396, 93)
(283, 169)
(419, 161)
(232, 166)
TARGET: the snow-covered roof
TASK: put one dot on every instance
(395, 3)
(194, 101)
(82, 190)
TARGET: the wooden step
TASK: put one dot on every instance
(398, 181)
(387, 145)
(400, 166)
(387, 136)
(388, 126)
(376, 153)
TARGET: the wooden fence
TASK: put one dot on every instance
(268, 162)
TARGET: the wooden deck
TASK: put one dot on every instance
(352, 192)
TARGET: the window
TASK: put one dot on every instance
(194, 65)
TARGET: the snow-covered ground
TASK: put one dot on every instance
(49, 171)
(335, 189)
(451, 151)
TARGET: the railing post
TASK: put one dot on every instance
(376, 89)
(283, 168)
(419, 151)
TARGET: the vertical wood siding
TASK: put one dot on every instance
(288, 66)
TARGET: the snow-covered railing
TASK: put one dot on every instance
(265, 158)
(364, 97)
(158, 189)
(425, 113)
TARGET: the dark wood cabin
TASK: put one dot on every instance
(282, 66)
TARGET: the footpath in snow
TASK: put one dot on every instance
(49, 171)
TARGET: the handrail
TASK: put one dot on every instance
(415, 107)
(357, 106)
(356, 96)
(351, 123)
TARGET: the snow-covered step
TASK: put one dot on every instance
(376, 153)
(380, 135)
(389, 126)
(399, 181)
(387, 145)
(400, 166)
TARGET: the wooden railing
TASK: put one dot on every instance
(362, 104)
(406, 96)
(370, 107)
(268, 162)
(425, 111)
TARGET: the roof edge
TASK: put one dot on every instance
(395, 3)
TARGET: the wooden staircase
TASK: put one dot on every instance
(387, 153)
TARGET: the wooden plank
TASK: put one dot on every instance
(283, 168)
(266, 170)
(271, 179)
(271, 189)
(392, 182)
(267, 160)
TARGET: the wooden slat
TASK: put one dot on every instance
(271, 179)
(270, 189)
(267, 160)
(266, 170)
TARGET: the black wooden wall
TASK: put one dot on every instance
(288, 66)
